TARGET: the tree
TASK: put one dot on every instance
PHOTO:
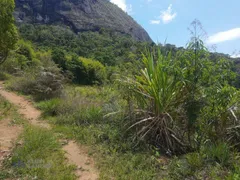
(59, 57)
(8, 31)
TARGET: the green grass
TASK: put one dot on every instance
(113, 158)
(7, 110)
(39, 157)
(81, 115)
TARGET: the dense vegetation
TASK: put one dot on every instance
(106, 46)
(8, 32)
(157, 114)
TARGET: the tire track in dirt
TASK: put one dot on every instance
(75, 154)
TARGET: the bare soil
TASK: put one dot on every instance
(8, 136)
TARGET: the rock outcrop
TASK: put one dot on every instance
(80, 15)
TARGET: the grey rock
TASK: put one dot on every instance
(80, 15)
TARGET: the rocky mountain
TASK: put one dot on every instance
(80, 15)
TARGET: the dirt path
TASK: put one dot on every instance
(8, 136)
(75, 154)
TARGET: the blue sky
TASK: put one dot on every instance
(169, 20)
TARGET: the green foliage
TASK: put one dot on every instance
(86, 71)
(25, 49)
(235, 174)
(200, 166)
(233, 135)
(5, 108)
(159, 93)
(59, 57)
(195, 161)
(4, 76)
(8, 31)
(219, 153)
(23, 58)
(50, 107)
(43, 82)
(180, 169)
(127, 166)
(105, 46)
(81, 114)
(183, 101)
(96, 72)
(180, 101)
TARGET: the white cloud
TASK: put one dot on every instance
(154, 21)
(123, 5)
(235, 56)
(224, 36)
(120, 3)
(129, 9)
(167, 15)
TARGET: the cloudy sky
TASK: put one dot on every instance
(168, 20)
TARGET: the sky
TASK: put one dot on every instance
(167, 21)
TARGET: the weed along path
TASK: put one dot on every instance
(76, 155)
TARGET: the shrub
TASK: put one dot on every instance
(50, 107)
(23, 58)
(25, 48)
(182, 101)
(4, 76)
(59, 57)
(87, 71)
(49, 83)
(42, 83)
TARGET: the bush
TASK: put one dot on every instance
(43, 82)
(25, 48)
(87, 71)
(50, 107)
(24, 57)
(4, 76)
(59, 57)
(72, 109)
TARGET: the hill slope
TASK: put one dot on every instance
(80, 15)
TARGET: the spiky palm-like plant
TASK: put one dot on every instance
(160, 93)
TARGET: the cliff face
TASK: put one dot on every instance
(80, 15)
